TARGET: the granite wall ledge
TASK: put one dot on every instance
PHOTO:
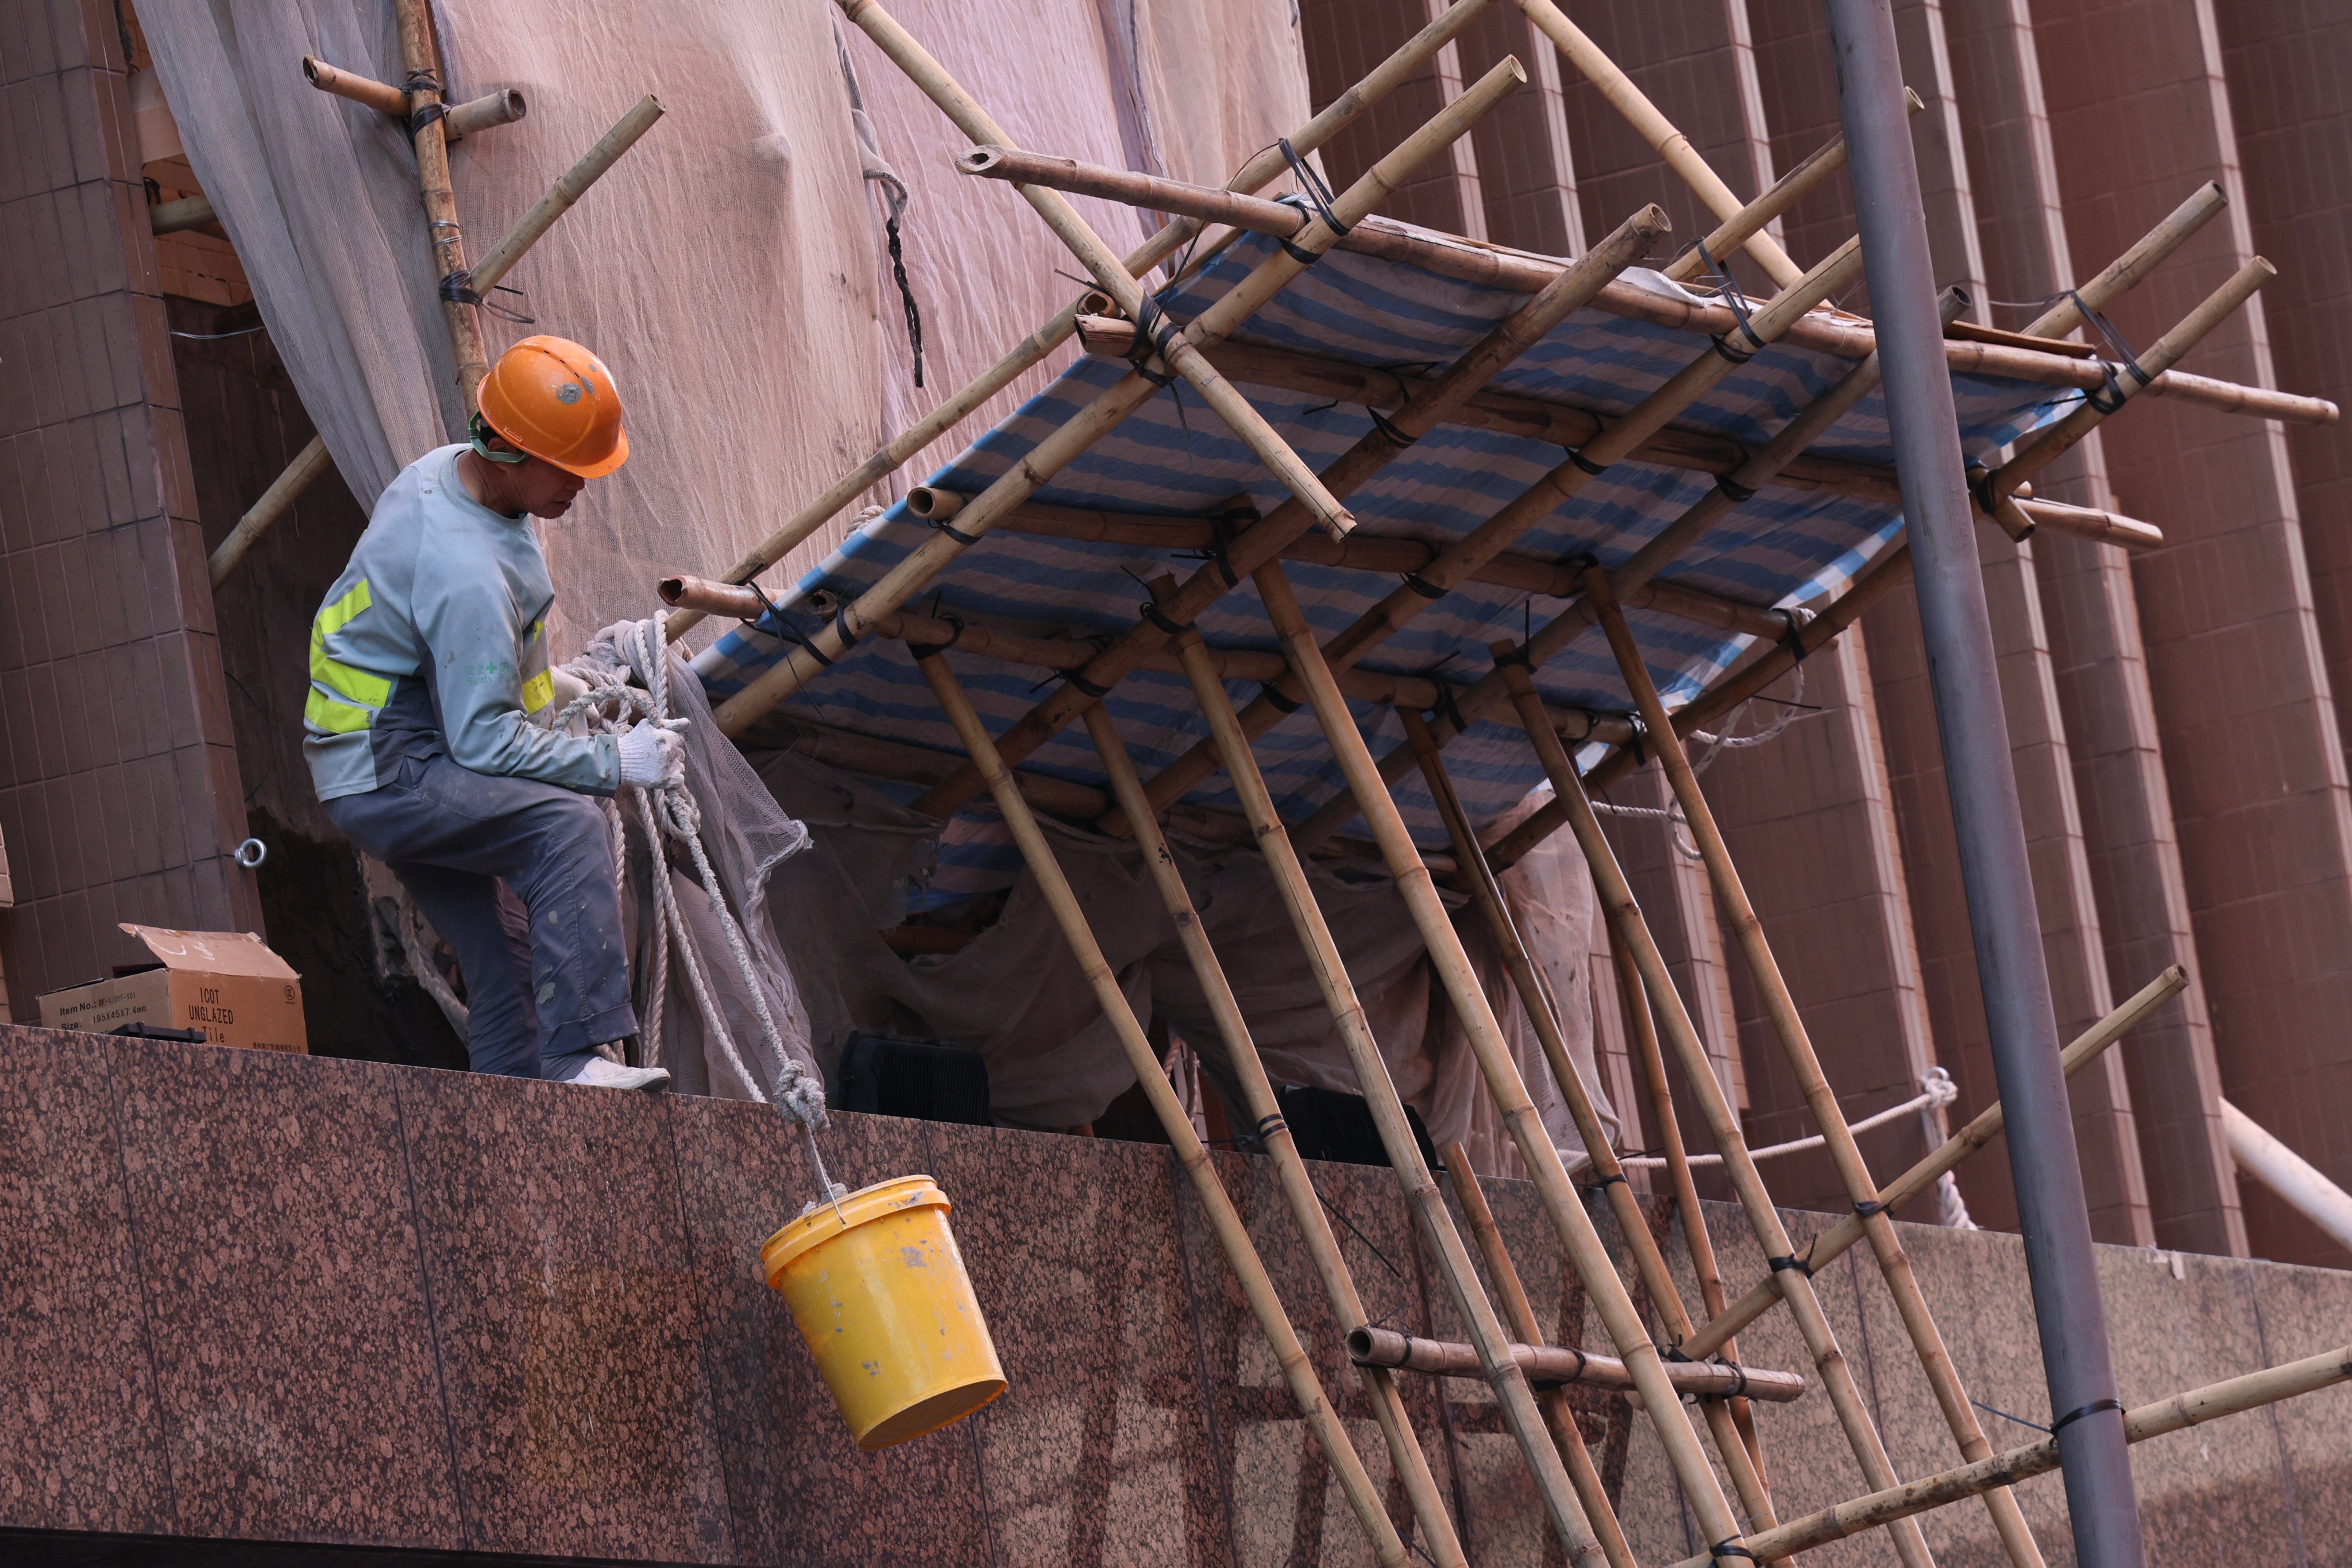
(271, 1310)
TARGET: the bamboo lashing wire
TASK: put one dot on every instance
(1406, 1459)
(1642, 1030)
(1076, 435)
(422, 62)
(1624, 916)
(1263, 167)
(569, 187)
(1520, 1316)
(1639, 572)
(1180, 356)
(1981, 1129)
(2194, 1407)
(1264, 540)
(1787, 1025)
(1542, 1013)
(1670, 144)
(1504, 1087)
(1298, 1371)
(1531, 507)
(1509, 1383)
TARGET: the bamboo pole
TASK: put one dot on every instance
(364, 90)
(1551, 1364)
(1608, 1177)
(1064, 445)
(1512, 1393)
(569, 187)
(1363, 1497)
(1642, 1027)
(1406, 1459)
(2193, 1408)
(1179, 355)
(1655, 128)
(2303, 1186)
(186, 213)
(1981, 1131)
(1263, 167)
(275, 502)
(1288, 522)
(2125, 272)
(1624, 917)
(1532, 506)
(448, 239)
(1520, 1316)
(1796, 1044)
(1578, 1236)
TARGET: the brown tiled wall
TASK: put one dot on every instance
(1527, 174)
(1346, 39)
(119, 783)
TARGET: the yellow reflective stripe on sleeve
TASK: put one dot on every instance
(324, 712)
(538, 691)
(359, 684)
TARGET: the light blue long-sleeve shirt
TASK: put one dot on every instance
(435, 640)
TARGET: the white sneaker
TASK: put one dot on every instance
(602, 1074)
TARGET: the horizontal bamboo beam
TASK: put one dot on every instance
(1981, 1129)
(503, 107)
(1550, 1365)
(187, 212)
(2182, 1411)
(283, 492)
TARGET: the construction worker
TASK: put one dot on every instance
(427, 662)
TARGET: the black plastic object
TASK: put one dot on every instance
(145, 1031)
(887, 1075)
(1328, 1125)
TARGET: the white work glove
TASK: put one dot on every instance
(653, 754)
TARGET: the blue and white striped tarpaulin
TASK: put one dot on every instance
(1174, 458)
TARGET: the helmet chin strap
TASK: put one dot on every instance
(478, 430)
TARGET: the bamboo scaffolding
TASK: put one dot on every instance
(1512, 1393)
(1263, 541)
(1796, 1044)
(1083, 429)
(429, 135)
(1539, 501)
(1608, 1177)
(2065, 312)
(1263, 167)
(1654, 128)
(1981, 1129)
(503, 107)
(1551, 1364)
(312, 460)
(1578, 1236)
(186, 213)
(1176, 350)
(1519, 1318)
(1298, 1371)
(1405, 1457)
(2193, 1408)
(1624, 916)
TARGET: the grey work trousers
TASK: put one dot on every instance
(544, 984)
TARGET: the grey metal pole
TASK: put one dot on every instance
(1961, 671)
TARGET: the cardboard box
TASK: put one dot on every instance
(225, 984)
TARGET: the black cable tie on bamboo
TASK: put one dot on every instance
(1267, 1126)
(2095, 1407)
(1601, 1185)
(426, 80)
(923, 651)
(841, 629)
(1517, 656)
(418, 119)
(947, 525)
(1092, 689)
(458, 289)
(1793, 639)
(1787, 1261)
(1159, 617)
(1738, 1390)
(1733, 490)
(2111, 395)
(1283, 702)
(1586, 464)
(1153, 334)
(1424, 586)
(1447, 709)
(1311, 186)
(1868, 1207)
(1731, 1548)
(1388, 432)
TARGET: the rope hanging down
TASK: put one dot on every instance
(877, 171)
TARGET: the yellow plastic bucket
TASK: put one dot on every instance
(887, 1310)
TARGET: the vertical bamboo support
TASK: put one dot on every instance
(1076, 435)
(1796, 1044)
(1405, 1456)
(1654, 128)
(1578, 1236)
(1263, 167)
(1504, 1376)
(1297, 1371)
(1788, 1274)
(440, 201)
(1608, 1176)
(1520, 1316)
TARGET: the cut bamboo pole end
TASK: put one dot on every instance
(276, 503)
(569, 187)
(2305, 1189)
(364, 90)
(491, 110)
(734, 600)
(2065, 313)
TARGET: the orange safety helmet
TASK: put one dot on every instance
(555, 400)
